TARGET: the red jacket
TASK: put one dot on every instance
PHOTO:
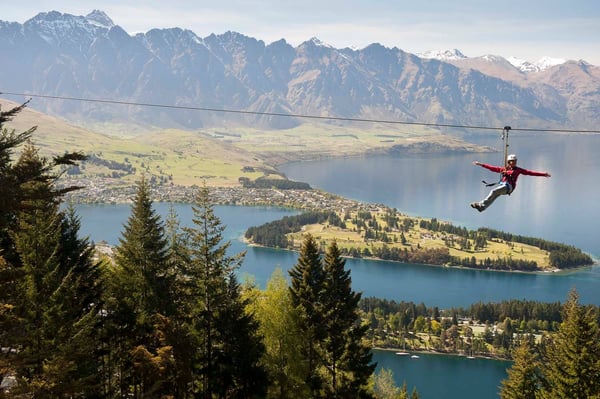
(511, 175)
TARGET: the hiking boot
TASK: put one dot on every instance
(476, 206)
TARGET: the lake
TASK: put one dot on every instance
(442, 376)
(432, 285)
(563, 208)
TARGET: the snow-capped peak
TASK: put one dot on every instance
(55, 27)
(443, 55)
(517, 62)
(547, 62)
(521, 64)
(318, 42)
(542, 64)
(99, 18)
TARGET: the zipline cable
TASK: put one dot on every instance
(280, 114)
(505, 132)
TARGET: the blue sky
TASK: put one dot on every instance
(527, 29)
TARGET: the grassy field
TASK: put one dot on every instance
(416, 237)
(317, 141)
(184, 157)
(217, 157)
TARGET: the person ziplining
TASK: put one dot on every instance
(509, 175)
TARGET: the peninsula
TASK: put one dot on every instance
(387, 234)
(363, 230)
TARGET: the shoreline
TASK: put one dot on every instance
(438, 353)
(540, 273)
(295, 199)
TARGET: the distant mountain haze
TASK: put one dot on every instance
(91, 57)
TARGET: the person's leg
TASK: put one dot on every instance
(497, 191)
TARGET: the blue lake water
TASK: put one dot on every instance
(564, 208)
(432, 285)
(441, 376)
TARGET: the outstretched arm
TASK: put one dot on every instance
(534, 173)
(493, 168)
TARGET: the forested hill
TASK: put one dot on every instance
(389, 235)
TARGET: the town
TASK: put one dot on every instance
(105, 191)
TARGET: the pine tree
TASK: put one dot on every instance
(347, 359)
(139, 298)
(523, 380)
(59, 289)
(37, 244)
(9, 274)
(308, 279)
(572, 360)
(177, 264)
(141, 255)
(218, 308)
(9, 187)
(242, 349)
(78, 351)
(177, 328)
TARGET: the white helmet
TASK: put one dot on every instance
(511, 157)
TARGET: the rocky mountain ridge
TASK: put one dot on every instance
(91, 57)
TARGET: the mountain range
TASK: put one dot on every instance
(190, 80)
(522, 65)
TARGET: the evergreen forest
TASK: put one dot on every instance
(165, 317)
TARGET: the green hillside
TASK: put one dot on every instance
(218, 157)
